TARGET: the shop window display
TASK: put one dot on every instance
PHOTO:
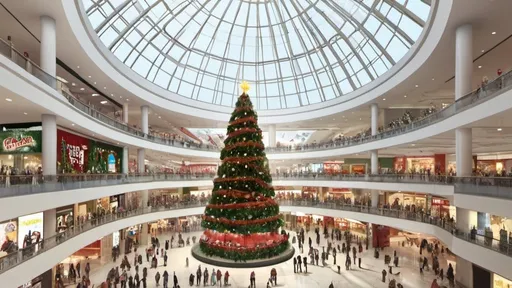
(76, 154)
(8, 237)
(30, 229)
(65, 218)
(20, 149)
(501, 282)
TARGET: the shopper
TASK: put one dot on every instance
(219, 277)
(294, 265)
(198, 275)
(299, 264)
(157, 278)
(205, 277)
(306, 265)
(165, 275)
(175, 279)
(226, 278)
(253, 279)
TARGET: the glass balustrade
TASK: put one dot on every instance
(15, 258)
(486, 92)
(19, 185)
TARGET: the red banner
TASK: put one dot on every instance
(77, 149)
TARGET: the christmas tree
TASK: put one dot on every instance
(242, 219)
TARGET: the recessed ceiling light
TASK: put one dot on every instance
(433, 79)
(104, 102)
(8, 99)
(78, 67)
(413, 144)
(82, 89)
(383, 99)
(95, 94)
(120, 96)
(73, 84)
(360, 118)
(159, 117)
(417, 85)
(479, 66)
(104, 87)
(72, 124)
(343, 116)
(93, 134)
(357, 154)
(25, 113)
(333, 119)
(483, 50)
(94, 83)
(89, 76)
(405, 96)
(127, 99)
(493, 33)
(499, 129)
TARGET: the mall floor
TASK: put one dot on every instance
(369, 276)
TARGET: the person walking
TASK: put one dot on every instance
(299, 264)
(78, 271)
(294, 265)
(226, 278)
(175, 279)
(384, 275)
(253, 279)
(359, 262)
(449, 274)
(157, 278)
(198, 275)
(165, 259)
(213, 278)
(273, 275)
(166, 279)
(205, 277)
(306, 265)
(317, 258)
(219, 277)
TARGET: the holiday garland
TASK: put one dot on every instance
(241, 254)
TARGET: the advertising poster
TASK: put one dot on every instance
(30, 227)
(65, 219)
(8, 237)
(20, 141)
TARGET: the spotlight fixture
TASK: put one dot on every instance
(405, 96)
(479, 66)
(493, 33)
(8, 99)
(499, 129)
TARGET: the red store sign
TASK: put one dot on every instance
(440, 202)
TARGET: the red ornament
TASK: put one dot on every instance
(499, 72)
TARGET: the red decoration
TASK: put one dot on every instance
(267, 202)
(499, 72)
(244, 144)
(244, 179)
(242, 120)
(243, 131)
(252, 242)
(241, 222)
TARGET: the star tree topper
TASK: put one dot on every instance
(245, 86)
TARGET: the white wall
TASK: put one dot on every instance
(10, 207)
(493, 261)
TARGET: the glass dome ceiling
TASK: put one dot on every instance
(293, 52)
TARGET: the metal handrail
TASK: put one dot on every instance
(486, 92)
(19, 185)
(18, 257)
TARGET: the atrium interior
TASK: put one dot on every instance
(256, 143)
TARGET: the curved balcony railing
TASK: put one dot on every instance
(486, 92)
(498, 187)
(16, 258)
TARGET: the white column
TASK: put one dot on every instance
(49, 223)
(144, 110)
(125, 160)
(125, 113)
(48, 45)
(272, 135)
(466, 219)
(141, 166)
(144, 197)
(144, 235)
(463, 139)
(463, 60)
(375, 118)
(463, 78)
(375, 198)
(49, 124)
(374, 162)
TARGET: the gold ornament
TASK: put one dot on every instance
(245, 86)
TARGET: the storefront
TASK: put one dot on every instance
(334, 168)
(8, 237)
(20, 148)
(30, 229)
(440, 207)
(77, 154)
(500, 282)
(65, 218)
(407, 199)
(339, 193)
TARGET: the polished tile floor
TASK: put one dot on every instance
(368, 276)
